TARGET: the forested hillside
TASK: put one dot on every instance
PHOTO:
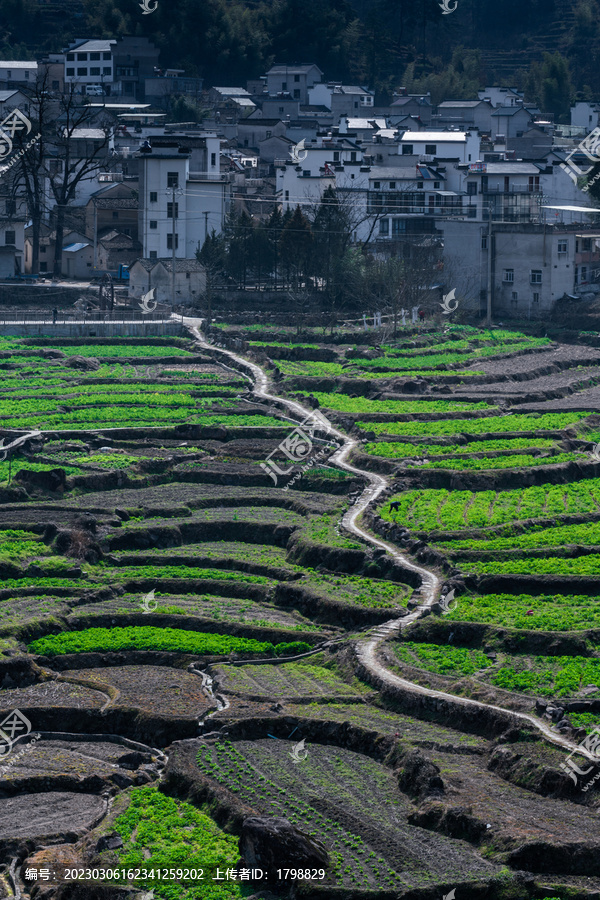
(365, 41)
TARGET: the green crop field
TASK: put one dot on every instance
(150, 638)
(487, 425)
(556, 612)
(434, 509)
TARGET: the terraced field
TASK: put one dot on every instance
(185, 633)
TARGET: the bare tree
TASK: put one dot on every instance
(72, 163)
(29, 176)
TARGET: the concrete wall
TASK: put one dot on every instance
(94, 329)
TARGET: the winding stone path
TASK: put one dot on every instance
(367, 647)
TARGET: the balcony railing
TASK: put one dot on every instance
(512, 189)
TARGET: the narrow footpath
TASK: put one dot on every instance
(367, 647)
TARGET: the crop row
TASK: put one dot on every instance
(399, 449)
(431, 509)
(587, 533)
(517, 461)
(582, 566)
(556, 612)
(344, 403)
(530, 422)
(146, 637)
(108, 416)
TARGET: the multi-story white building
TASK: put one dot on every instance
(387, 203)
(178, 205)
(532, 265)
(90, 62)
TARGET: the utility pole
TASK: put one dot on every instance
(488, 319)
(95, 234)
(174, 190)
(205, 225)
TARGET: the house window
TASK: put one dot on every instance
(43, 248)
(95, 70)
(535, 276)
(296, 78)
(9, 73)
(508, 275)
(471, 212)
(398, 226)
(170, 242)
(187, 274)
(94, 56)
(115, 214)
(296, 93)
(514, 299)
(471, 188)
(213, 159)
(43, 267)
(10, 237)
(392, 185)
(407, 149)
(430, 149)
(11, 207)
(106, 70)
(170, 210)
(82, 71)
(153, 196)
(584, 273)
(284, 85)
(27, 75)
(172, 179)
(70, 71)
(153, 254)
(353, 156)
(281, 109)
(384, 226)
(70, 57)
(536, 298)
(269, 133)
(586, 244)
(563, 246)
(484, 238)
(534, 182)
(436, 185)
(82, 56)
(376, 185)
(336, 155)
(106, 55)
(420, 185)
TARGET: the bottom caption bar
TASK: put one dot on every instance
(183, 875)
